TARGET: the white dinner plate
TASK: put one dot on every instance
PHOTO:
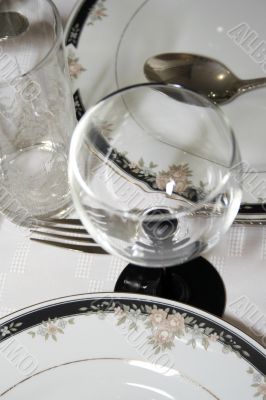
(121, 346)
(108, 42)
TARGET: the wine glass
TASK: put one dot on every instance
(155, 178)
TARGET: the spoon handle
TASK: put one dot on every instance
(251, 84)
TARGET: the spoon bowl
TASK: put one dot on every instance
(201, 74)
(12, 24)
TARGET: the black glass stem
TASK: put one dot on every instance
(196, 282)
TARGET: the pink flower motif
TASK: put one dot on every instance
(262, 389)
(100, 13)
(163, 335)
(214, 337)
(179, 174)
(181, 186)
(75, 69)
(176, 322)
(119, 312)
(162, 180)
(157, 317)
(52, 329)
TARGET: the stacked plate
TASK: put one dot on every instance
(108, 42)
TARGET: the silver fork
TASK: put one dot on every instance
(70, 234)
(67, 234)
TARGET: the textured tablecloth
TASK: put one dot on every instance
(31, 272)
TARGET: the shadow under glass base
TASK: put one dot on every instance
(196, 283)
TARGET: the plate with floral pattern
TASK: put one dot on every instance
(126, 346)
(108, 42)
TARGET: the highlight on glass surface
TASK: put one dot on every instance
(155, 174)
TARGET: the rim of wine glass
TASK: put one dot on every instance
(58, 38)
(73, 170)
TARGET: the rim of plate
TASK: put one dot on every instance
(130, 296)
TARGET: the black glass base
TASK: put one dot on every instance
(196, 283)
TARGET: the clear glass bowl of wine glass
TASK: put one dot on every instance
(155, 174)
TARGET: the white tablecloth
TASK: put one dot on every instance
(31, 272)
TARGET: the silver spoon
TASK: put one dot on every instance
(12, 24)
(201, 74)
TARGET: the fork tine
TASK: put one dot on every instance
(71, 222)
(64, 237)
(96, 213)
(65, 221)
(85, 249)
(62, 229)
